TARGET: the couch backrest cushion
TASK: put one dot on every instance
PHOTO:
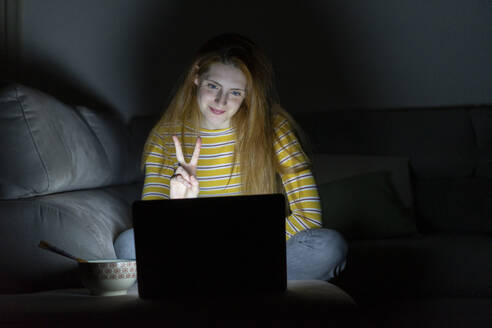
(332, 167)
(450, 153)
(50, 147)
(140, 128)
(440, 143)
(482, 123)
(121, 148)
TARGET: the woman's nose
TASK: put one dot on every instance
(221, 98)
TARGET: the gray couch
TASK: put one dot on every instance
(410, 189)
(68, 176)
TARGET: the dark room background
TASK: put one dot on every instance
(340, 54)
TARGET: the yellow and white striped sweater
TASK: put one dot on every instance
(216, 174)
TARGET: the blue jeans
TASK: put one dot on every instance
(318, 254)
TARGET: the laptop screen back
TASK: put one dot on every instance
(208, 246)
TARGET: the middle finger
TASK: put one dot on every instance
(179, 151)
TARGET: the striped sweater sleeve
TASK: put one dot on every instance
(299, 186)
(158, 169)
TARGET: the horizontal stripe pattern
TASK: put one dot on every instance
(300, 187)
(219, 177)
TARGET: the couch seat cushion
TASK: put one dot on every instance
(434, 265)
(311, 299)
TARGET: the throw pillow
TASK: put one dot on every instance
(365, 207)
(330, 167)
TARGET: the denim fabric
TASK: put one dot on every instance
(124, 245)
(317, 254)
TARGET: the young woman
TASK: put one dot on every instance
(224, 133)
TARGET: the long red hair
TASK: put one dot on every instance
(254, 120)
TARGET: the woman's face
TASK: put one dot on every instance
(221, 91)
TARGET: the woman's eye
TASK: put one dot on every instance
(237, 93)
(211, 86)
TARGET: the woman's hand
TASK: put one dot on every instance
(184, 183)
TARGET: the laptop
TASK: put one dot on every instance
(203, 247)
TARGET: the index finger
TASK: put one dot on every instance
(196, 152)
(179, 151)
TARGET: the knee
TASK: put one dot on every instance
(124, 245)
(330, 242)
(316, 254)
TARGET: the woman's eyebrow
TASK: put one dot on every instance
(210, 80)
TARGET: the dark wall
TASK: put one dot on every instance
(127, 54)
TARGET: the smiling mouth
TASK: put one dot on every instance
(216, 111)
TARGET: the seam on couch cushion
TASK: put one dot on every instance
(29, 129)
(82, 117)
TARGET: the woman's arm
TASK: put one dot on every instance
(158, 170)
(299, 184)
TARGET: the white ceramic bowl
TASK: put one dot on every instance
(108, 277)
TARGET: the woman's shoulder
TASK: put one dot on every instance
(281, 124)
(166, 129)
(160, 137)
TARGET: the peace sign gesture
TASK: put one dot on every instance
(184, 183)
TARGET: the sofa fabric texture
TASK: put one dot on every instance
(440, 142)
(448, 152)
(68, 176)
(330, 167)
(365, 207)
(51, 147)
(442, 148)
